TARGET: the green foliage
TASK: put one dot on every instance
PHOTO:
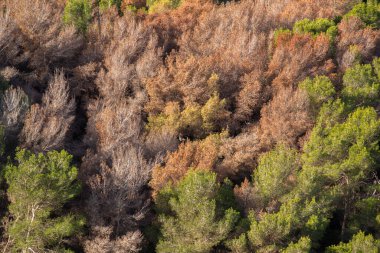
(39, 186)
(302, 246)
(274, 230)
(190, 122)
(221, 1)
(317, 26)
(78, 13)
(368, 12)
(272, 176)
(313, 27)
(169, 118)
(360, 243)
(332, 32)
(105, 4)
(366, 212)
(156, 6)
(376, 67)
(319, 89)
(340, 154)
(239, 244)
(194, 216)
(316, 223)
(361, 86)
(349, 147)
(213, 113)
(339, 145)
(355, 51)
(134, 9)
(194, 120)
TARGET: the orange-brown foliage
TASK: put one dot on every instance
(254, 93)
(300, 9)
(190, 155)
(46, 42)
(286, 118)
(169, 26)
(352, 32)
(297, 57)
(240, 154)
(128, 69)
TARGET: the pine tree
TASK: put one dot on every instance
(78, 13)
(360, 243)
(302, 246)
(273, 176)
(39, 186)
(319, 89)
(196, 215)
(214, 113)
(361, 86)
(368, 11)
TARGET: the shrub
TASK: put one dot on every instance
(78, 13)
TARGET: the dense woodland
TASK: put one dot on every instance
(189, 126)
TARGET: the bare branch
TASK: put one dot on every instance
(46, 125)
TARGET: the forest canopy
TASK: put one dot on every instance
(190, 126)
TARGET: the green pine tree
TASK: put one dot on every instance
(302, 246)
(361, 86)
(360, 243)
(272, 177)
(368, 12)
(78, 13)
(319, 89)
(39, 186)
(196, 215)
